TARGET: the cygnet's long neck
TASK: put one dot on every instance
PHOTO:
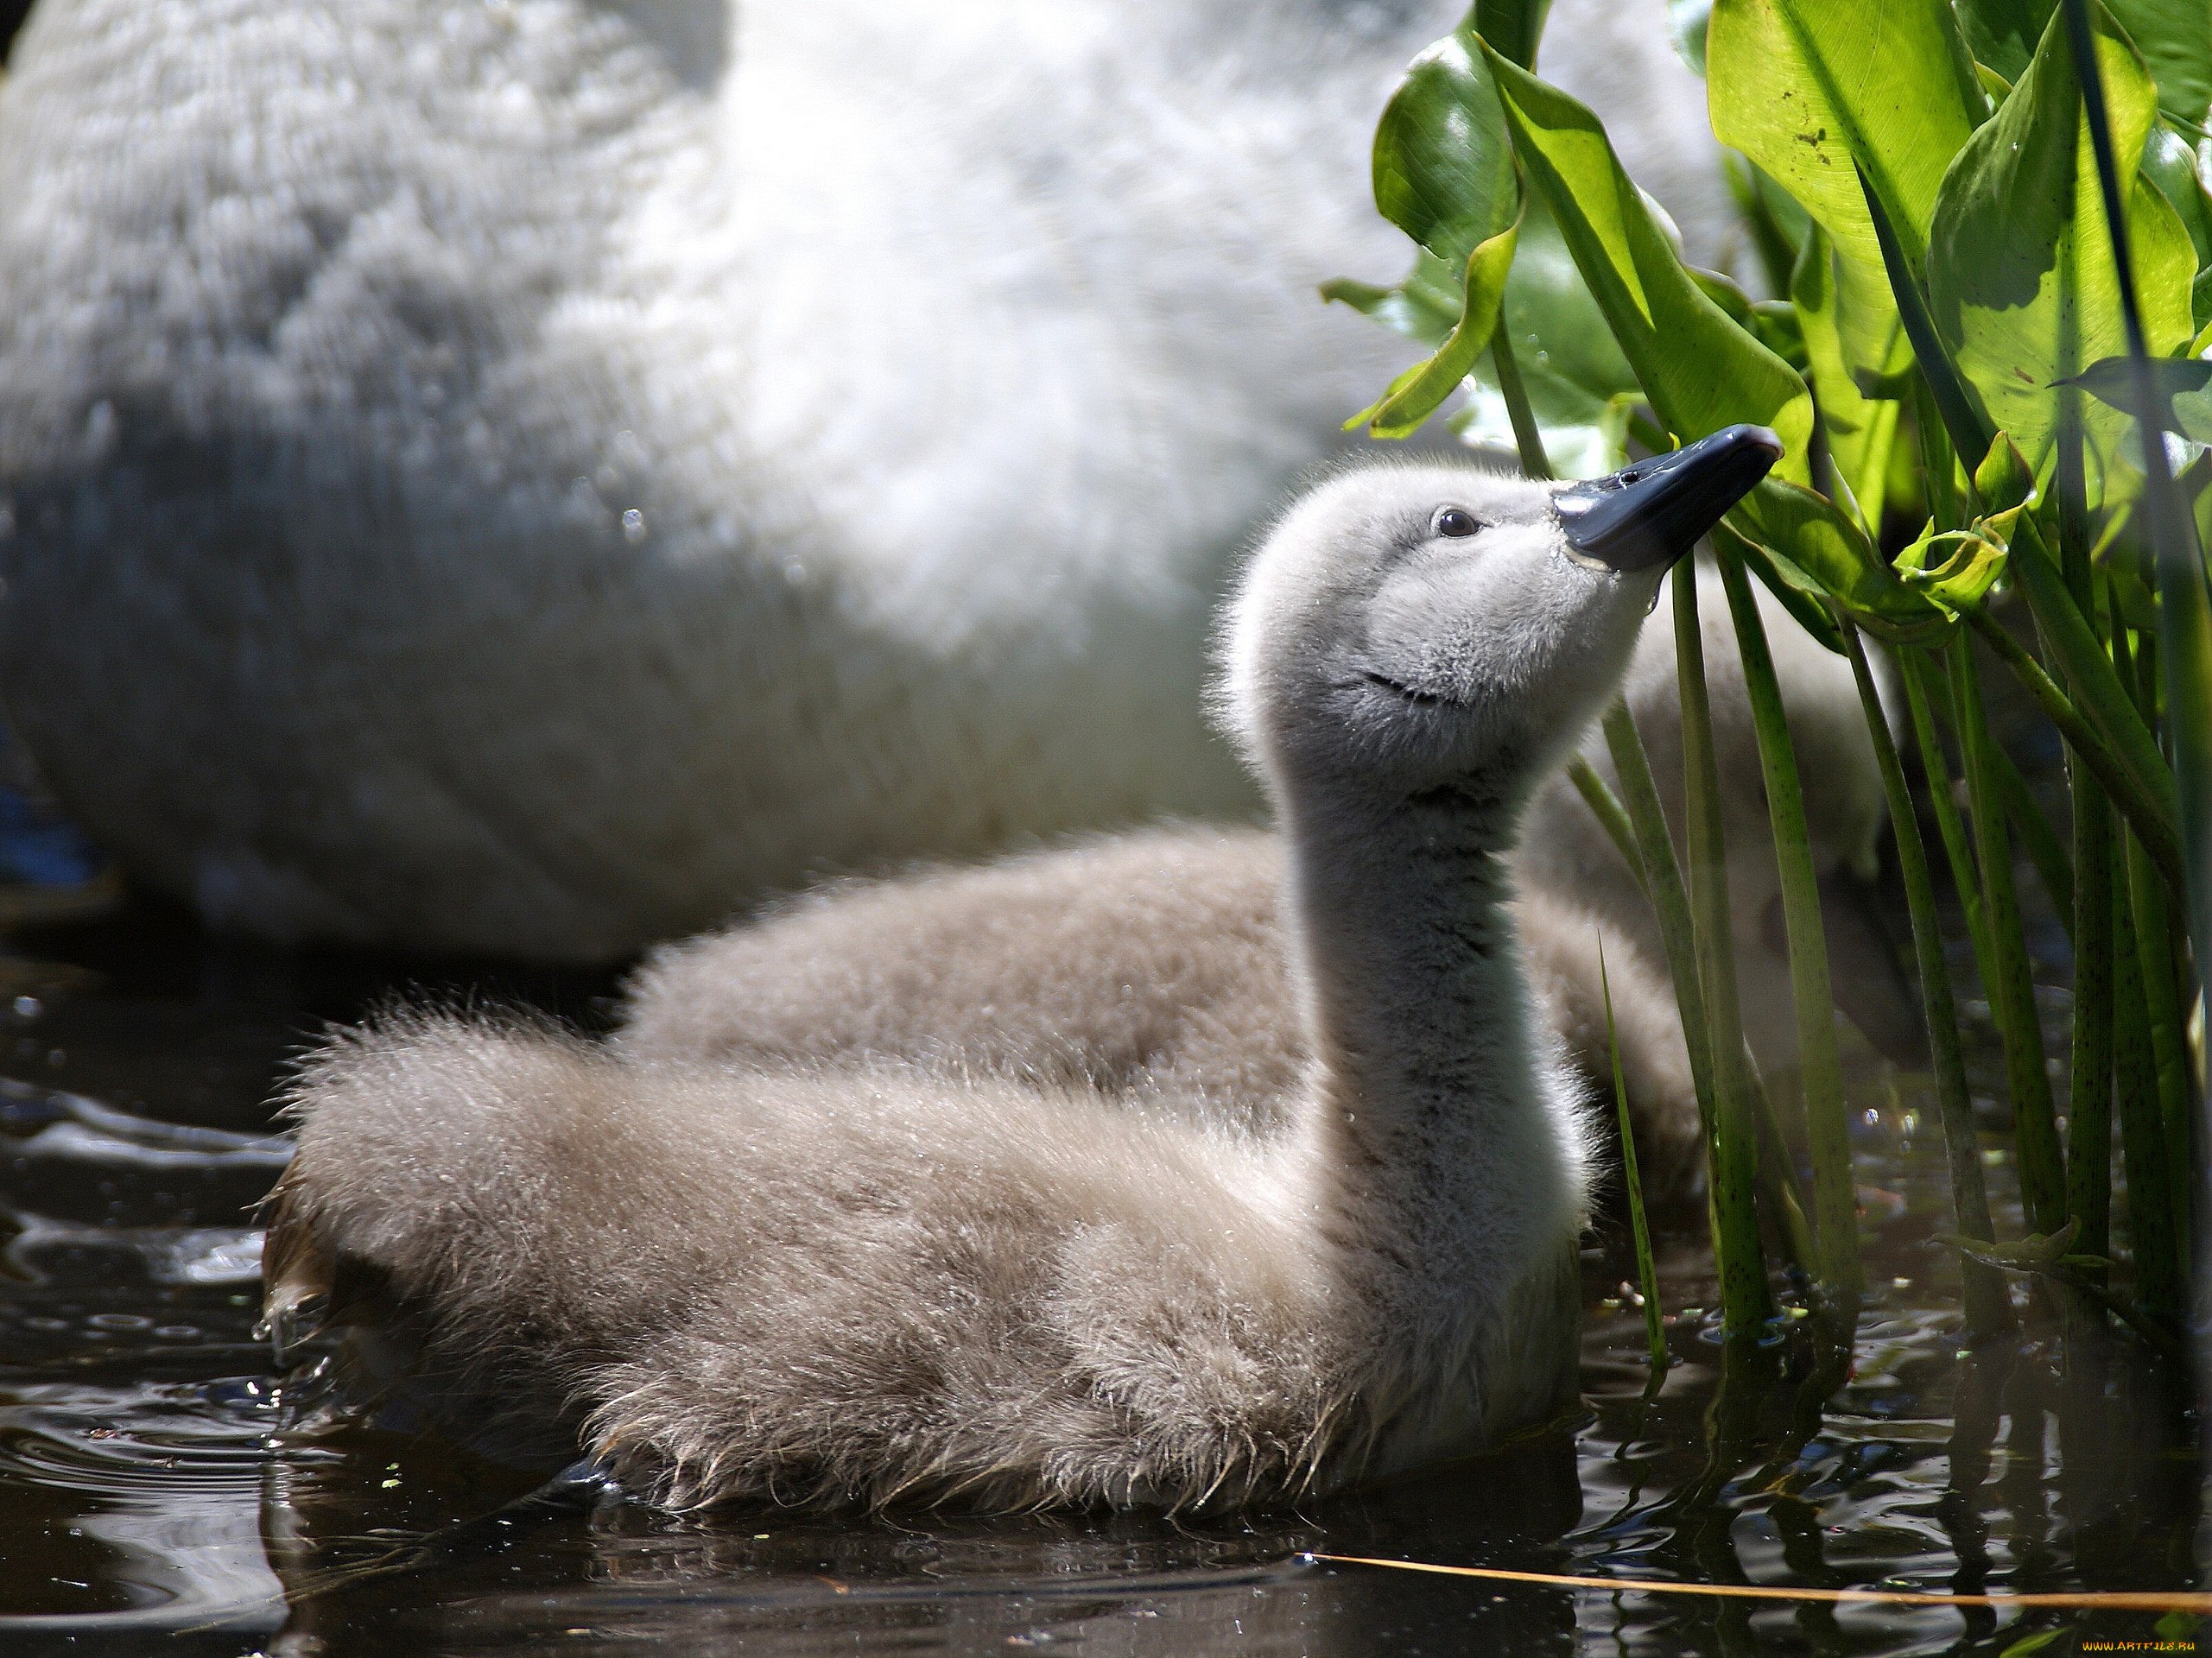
(1430, 1110)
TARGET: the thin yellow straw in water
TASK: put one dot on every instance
(2121, 1601)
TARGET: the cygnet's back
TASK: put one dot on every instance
(1152, 966)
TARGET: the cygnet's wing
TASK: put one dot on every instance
(1150, 966)
(1149, 963)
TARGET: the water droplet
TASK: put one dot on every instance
(633, 526)
(29, 1007)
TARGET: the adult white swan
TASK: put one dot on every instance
(529, 475)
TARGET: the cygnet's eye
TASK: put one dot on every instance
(1455, 521)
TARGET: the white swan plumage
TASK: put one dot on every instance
(532, 475)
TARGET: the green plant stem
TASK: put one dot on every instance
(1745, 1303)
(1670, 900)
(1954, 410)
(2162, 1015)
(2163, 981)
(2183, 586)
(2142, 1136)
(1647, 1270)
(1938, 466)
(2088, 1103)
(1612, 816)
(1783, 1192)
(2043, 1174)
(1820, 1066)
(2097, 713)
(2133, 770)
(2038, 838)
(2147, 806)
(1988, 1308)
(1528, 437)
(1653, 858)
(1914, 669)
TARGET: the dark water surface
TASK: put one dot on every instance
(163, 1490)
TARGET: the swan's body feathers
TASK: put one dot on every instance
(1152, 966)
(932, 1297)
(530, 478)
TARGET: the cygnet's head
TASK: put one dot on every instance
(1413, 628)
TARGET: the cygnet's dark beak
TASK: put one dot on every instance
(1645, 516)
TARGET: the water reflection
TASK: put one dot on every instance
(159, 1492)
(746, 1580)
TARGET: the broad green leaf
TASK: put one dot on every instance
(1421, 307)
(1416, 395)
(2002, 34)
(1804, 87)
(2021, 287)
(1798, 594)
(1443, 173)
(2171, 165)
(2183, 383)
(1579, 385)
(1861, 430)
(1513, 27)
(1699, 370)
(2037, 1252)
(1812, 533)
(2174, 37)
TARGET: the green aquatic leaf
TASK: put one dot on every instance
(1811, 532)
(2002, 34)
(2182, 383)
(1805, 88)
(1862, 428)
(2174, 37)
(1421, 308)
(1443, 173)
(2021, 285)
(2170, 163)
(1513, 27)
(2037, 1252)
(1579, 385)
(1415, 393)
(1700, 371)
